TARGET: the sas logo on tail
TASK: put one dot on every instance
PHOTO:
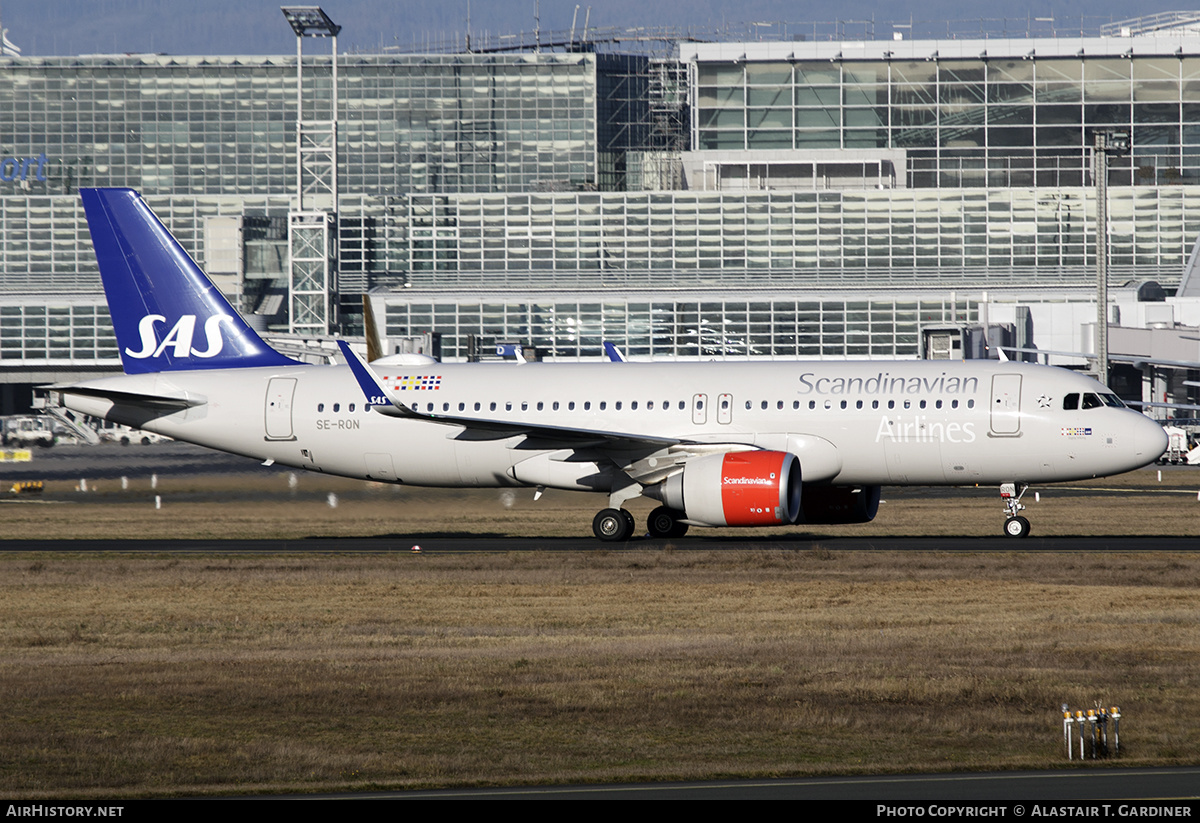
(180, 337)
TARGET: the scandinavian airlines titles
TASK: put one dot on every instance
(885, 383)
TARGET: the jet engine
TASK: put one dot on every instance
(828, 505)
(750, 488)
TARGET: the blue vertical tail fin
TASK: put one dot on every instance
(167, 314)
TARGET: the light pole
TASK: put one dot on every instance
(312, 235)
(317, 138)
(1107, 142)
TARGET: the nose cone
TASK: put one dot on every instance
(1149, 440)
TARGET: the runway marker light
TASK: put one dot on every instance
(157, 502)
(27, 487)
(416, 549)
(332, 500)
(1093, 731)
(1067, 731)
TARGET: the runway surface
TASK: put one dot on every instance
(482, 543)
(1090, 787)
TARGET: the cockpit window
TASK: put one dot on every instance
(1071, 401)
(1096, 401)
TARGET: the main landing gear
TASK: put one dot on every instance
(613, 525)
(617, 525)
(664, 522)
(1014, 524)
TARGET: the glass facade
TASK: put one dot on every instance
(948, 237)
(57, 332)
(486, 194)
(706, 326)
(1016, 119)
(224, 125)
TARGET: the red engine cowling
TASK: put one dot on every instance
(829, 505)
(751, 488)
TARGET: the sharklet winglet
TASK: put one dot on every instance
(371, 389)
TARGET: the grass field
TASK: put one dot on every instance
(295, 506)
(144, 674)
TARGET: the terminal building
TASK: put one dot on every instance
(815, 197)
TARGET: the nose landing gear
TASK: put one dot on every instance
(1014, 524)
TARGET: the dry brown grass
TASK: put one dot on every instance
(271, 508)
(136, 674)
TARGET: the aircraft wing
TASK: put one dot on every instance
(163, 402)
(476, 428)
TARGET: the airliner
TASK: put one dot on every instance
(714, 444)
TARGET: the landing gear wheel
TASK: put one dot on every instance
(664, 522)
(629, 522)
(613, 525)
(1016, 527)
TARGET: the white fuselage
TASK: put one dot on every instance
(883, 423)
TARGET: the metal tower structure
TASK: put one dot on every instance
(312, 226)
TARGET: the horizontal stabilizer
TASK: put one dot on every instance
(129, 398)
